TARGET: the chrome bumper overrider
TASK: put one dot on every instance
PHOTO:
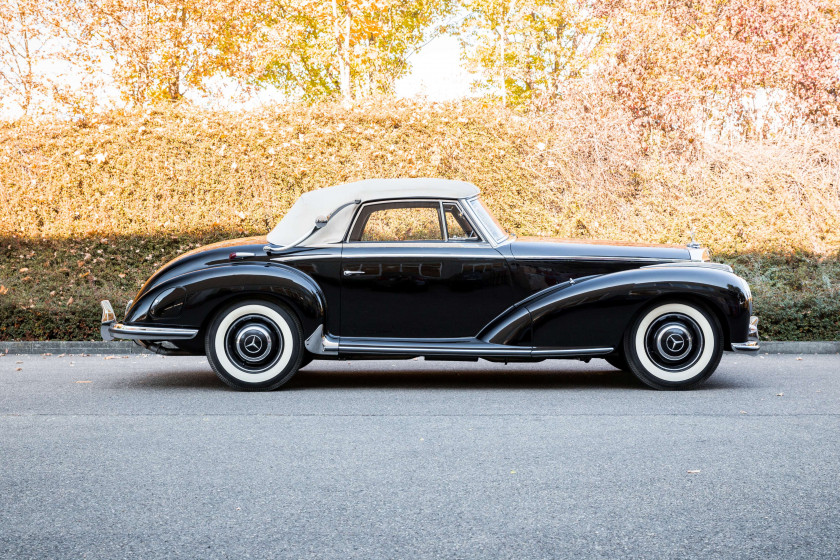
(110, 329)
(751, 345)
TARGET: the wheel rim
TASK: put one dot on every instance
(255, 366)
(675, 364)
(674, 342)
(253, 343)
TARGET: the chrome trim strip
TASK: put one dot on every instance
(464, 348)
(305, 257)
(599, 258)
(694, 264)
(351, 348)
(382, 254)
(133, 332)
(321, 344)
(572, 352)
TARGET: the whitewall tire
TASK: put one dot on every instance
(254, 345)
(674, 345)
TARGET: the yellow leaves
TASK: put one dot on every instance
(3, 290)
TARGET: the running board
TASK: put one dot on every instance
(319, 343)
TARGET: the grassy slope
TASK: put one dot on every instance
(82, 205)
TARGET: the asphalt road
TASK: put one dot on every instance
(153, 457)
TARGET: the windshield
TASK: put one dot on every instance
(493, 227)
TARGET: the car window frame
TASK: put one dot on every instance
(477, 219)
(481, 237)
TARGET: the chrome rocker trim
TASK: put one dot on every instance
(111, 330)
(322, 344)
(751, 346)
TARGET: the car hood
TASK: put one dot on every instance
(551, 247)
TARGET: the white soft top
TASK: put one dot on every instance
(300, 219)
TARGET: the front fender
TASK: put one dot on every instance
(203, 292)
(596, 311)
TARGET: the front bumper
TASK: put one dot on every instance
(751, 346)
(111, 329)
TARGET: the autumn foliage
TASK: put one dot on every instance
(640, 120)
(88, 211)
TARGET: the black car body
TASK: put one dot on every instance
(418, 267)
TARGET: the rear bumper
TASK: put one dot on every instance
(111, 329)
(751, 346)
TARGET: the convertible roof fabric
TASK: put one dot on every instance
(300, 219)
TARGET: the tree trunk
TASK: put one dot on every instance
(342, 43)
(346, 94)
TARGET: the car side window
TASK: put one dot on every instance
(398, 221)
(458, 227)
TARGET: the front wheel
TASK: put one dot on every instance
(254, 345)
(674, 345)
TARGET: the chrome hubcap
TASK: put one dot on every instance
(253, 342)
(674, 342)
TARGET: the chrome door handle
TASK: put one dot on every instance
(353, 272)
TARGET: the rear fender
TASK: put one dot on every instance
(207, 290)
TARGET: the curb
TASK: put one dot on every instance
(792, 347)
(128, 347)
(72, 347)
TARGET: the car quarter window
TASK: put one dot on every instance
(458, 227)
(398, 221)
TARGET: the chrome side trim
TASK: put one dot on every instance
(460, 347)
(306, 257)
(562, 352)
(133, 332)
(694, 264)
(434, 350)
(600, 258)
(320, 344)
(382, 254)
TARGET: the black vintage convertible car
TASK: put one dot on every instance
(401, 268)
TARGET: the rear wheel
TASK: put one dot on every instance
(255, 345)
(675, 345)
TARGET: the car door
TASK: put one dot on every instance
(419, 269)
